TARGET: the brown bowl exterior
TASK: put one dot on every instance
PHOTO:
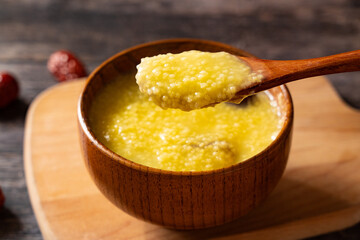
(181, 200)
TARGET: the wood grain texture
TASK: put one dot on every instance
(180, 200)
(277, 72)
(317, 194)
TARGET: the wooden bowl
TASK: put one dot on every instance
(181, 200)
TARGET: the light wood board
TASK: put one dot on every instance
(319, 192)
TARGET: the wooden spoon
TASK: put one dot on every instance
(276, 72)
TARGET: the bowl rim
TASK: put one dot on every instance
(83, 123)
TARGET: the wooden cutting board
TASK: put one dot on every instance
(319, 192)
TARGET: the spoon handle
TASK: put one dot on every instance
(277, 72)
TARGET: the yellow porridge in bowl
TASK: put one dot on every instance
(131, 125)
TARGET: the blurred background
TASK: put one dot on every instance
(30, 30)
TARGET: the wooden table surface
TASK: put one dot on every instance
(95, 30)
